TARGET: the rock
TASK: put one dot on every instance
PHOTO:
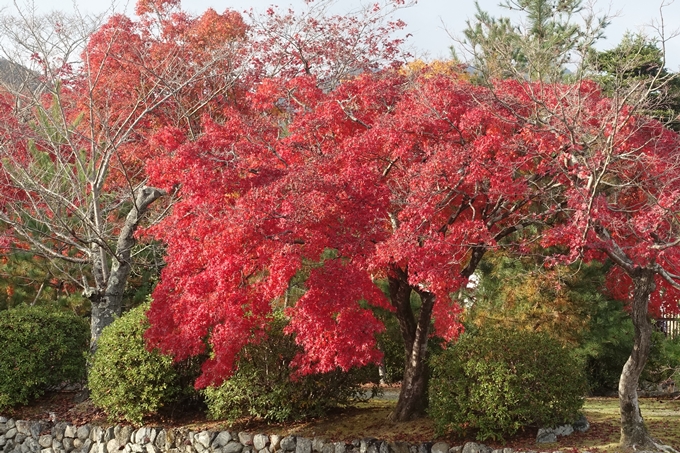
(3, 441)
(122, 434)
(424, 447)
(56, 445)
(246, 439)
(581, 425)
(564, 430)
(136, 436)
(45, 441)
(546, 436)
(473, 447)
(87, 444)
(318, 443)
(221, 440)
(304, 445)
(108, 434)
(508, 450)
(151, 433)
(288, 443)
(232, 447)
(274, 442)
(47, 450)
(19, 438)
(364, 443)
(159, 442)
(399, 447)
(340, 447)
(10, 433)
(260, 441)
(440, 447)
(58, 430)
(34, 428)
(70, 431)
(3, 419)
(203, 438)
(97, 447)
(549, 435)
(96, 434)
(67, 442)
(23, 427)
(112, 446)
(31, 445)
(83, 432)
(150, 448)
(328, 448)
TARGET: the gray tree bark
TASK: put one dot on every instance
(634, 433)
(107, 301)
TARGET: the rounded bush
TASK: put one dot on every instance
(264, 386)
(41, 347)
(126, 380)
(498, 381)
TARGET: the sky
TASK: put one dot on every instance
(432, 23)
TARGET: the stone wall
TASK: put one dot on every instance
(22, 436)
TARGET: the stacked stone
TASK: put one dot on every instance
(22, 436)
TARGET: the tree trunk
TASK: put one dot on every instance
(634, 433)
(107, 305)
(412, 398)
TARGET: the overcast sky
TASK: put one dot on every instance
(431, 21)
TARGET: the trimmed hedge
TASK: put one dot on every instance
(128, 381)
(41, 347)
(498, 381)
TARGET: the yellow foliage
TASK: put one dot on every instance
(437, 67)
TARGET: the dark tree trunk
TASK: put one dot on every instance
(633, 430)
(412, 398)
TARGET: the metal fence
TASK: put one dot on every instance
(669, 326)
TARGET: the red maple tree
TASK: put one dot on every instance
(407, 177)
(617, 198)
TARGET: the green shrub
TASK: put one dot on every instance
(499, 381)
(605, 345)
(263, 386)
(664, 360)
(41, 347)
(125, 379)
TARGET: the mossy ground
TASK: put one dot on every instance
(369, 420)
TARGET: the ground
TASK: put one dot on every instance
(370, 420)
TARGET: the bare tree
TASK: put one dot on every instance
(78, 128)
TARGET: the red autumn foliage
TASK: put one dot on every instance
(403, 176)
